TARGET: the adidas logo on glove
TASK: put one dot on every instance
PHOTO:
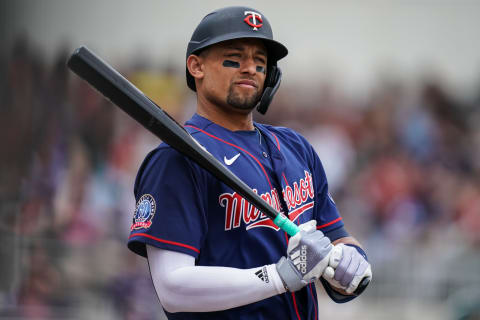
(300, 259)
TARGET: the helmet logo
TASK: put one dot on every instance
(253, 19)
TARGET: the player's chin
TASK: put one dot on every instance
(243, 102)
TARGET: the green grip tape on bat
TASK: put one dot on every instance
(286, 225)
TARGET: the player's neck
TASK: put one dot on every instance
(229, 119)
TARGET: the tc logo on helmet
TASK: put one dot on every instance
(253, 19)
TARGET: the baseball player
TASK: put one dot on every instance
(211, 254)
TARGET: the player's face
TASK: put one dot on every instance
(235, 73)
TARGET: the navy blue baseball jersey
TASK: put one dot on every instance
(182, 207)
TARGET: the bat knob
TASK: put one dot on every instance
(362, 286)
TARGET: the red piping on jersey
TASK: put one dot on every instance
(313, 299)
(235, 146)
(329, 223)
(164, 241)
(285, 178)
(295, 305)
(278, 143)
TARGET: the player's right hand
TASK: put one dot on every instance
(307, 257)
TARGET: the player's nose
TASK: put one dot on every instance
(248, 66)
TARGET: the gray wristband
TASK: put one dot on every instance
(291, 277)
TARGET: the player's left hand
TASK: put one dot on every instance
(347, 268)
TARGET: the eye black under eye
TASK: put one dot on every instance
(231, 64)
(261, 69)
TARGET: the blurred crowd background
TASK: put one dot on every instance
(402, 159)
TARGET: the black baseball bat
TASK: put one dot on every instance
(130, 99)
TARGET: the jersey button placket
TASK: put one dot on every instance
(265, 155)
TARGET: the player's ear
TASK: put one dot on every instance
(195, 66)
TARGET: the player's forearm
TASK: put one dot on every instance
(187, 288)
(217, 288)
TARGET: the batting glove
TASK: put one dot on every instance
(346, 268)
(307, 257)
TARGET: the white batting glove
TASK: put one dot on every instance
(307, 257)
(346, 268)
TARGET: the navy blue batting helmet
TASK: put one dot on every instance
(236, 23)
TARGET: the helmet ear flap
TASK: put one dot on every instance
(272, 83)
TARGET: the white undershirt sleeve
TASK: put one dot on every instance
(183, 287)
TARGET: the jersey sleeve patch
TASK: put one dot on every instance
(144, 212)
